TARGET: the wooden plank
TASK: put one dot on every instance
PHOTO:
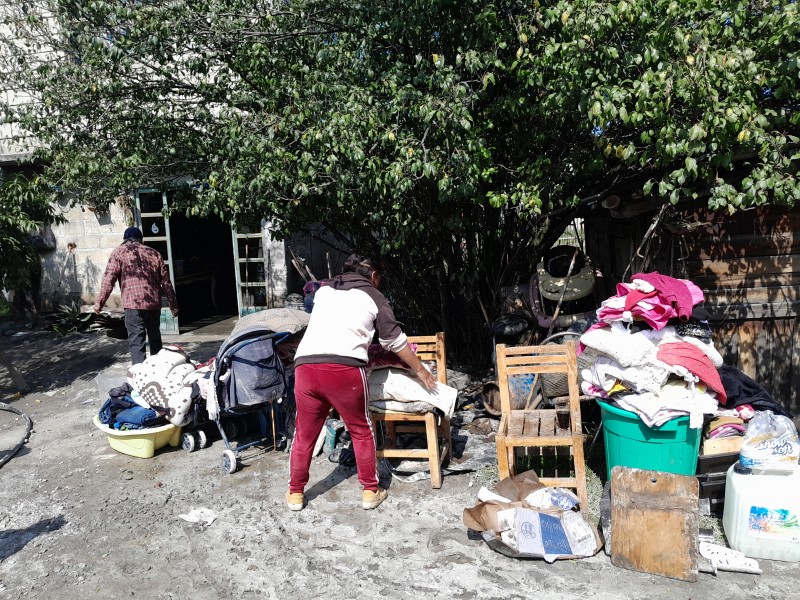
(542, 440)
(402, 453)
(558, 481)
(547, 418)
(441, 358)
(774, 361)
(529, 369)
(532, 426)
(755, 311)
(743, 245)
(747, 358)
(767, 295)
(654, 522)
(750, 266)
(516, 424)
(792, 393)
(399, 416)
(736, 282)
(724, 445)
(502, 379)
(762, 220)
(738, 343)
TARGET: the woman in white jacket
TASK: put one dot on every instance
(330, 372)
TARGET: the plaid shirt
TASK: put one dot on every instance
(142, 276)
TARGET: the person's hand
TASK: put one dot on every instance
(426, 378)
(174, 312)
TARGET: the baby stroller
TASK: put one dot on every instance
(250, 381)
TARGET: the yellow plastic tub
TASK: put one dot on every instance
(141, 443)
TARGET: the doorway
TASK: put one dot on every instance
(199, 255)
(202, 259)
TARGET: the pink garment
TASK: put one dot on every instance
(727, 431)
(682, 294)
(692, 358)
(632, 298)
(653, 311)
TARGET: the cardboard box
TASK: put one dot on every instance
(546, 535)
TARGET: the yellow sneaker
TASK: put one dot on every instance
(295, 500)
(370, 499)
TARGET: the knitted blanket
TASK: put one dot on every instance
(160, 380)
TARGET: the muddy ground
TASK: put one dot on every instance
(79, 520)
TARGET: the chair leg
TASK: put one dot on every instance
(434, 459)
(502, 459)
(580, 471)
(446, 435)
(377, 431)
(390, 440)
(512, 463)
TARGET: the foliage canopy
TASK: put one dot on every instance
(433, 132)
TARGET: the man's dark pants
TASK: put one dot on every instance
(142, 324)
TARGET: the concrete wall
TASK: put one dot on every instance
(74, 271)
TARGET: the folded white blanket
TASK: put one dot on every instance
(397, 384)
(605, 372)
(630, 349)
(675, 399)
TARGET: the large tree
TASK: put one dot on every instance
(433, 132)
(26, 208)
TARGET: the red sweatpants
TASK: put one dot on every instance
(317, 387)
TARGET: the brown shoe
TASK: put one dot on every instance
(370, 499)
(295, 500)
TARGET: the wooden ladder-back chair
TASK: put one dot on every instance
(526, 427)
(429, 347)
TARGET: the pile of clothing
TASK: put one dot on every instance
(122, 413)
(160, 390)
(651, 352)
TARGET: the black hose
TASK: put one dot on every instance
(560, 334)
(29, 427)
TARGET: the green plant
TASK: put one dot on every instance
(5, 307)
(70, 319)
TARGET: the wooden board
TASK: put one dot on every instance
(654, 522)
(723, 445)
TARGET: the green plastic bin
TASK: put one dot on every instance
(672, 447)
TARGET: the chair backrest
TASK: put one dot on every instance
(431, 347)
(517, 361)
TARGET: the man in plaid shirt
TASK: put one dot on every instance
(143, 278)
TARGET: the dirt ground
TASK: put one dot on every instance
(79, 520)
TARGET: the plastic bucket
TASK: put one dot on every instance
(672, 447)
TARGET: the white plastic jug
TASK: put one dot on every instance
(762, 514)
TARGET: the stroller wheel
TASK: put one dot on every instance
(230, 428)
(188, 441)
(202, 438)
(229, 462)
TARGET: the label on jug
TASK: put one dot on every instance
(773, 522)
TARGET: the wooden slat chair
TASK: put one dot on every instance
(429, 347)
(525, 428)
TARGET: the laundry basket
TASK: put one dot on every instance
(672, 447)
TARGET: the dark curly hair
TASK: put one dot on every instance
(363, 265)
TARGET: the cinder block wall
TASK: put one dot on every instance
(74, 273)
